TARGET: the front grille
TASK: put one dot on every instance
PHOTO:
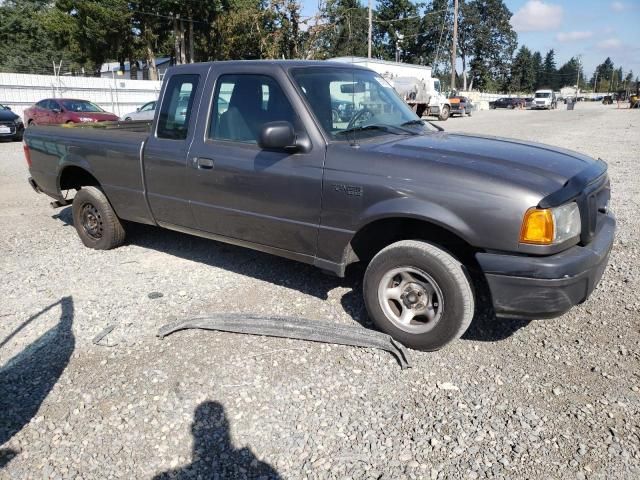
(12, 128)
(593, 203)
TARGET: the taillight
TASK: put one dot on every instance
(27, 154)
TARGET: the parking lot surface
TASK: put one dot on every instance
(543, 399)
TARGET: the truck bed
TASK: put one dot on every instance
(109, 151)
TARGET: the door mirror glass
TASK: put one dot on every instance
(277, 136)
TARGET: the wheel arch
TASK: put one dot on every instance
(73, 176)
(380, 232)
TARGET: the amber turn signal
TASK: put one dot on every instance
(537, 227)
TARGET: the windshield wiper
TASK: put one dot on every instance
(423, 123)
(417, 121)
(396, 130)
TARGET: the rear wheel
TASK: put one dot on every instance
(419, 294)
(444, 113)
(96, 222)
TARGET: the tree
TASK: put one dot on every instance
(604, 74)
(468, 21)
(26, 44)
(567, 74)
(538, 66)
(101, 28)
(341, 30)
(492, 44)
(397, 27)
(549, 79)
(523, 73)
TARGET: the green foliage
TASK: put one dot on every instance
(492, 43)
(397, 26)
(86, 33)
(549, 78)
(567, 74)
(342, 30)
(26, 43)
(523, 72)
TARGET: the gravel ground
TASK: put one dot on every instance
(544, 399)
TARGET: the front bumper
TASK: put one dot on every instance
(526, 287)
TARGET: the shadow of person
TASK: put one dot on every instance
(214, 457)
(27, 378)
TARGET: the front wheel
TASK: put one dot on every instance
(419, 294)
(96, 222)
(444, 113)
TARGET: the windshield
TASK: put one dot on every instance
(80, 106)
(543, 94)
(345, 100)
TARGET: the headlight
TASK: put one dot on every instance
(547, 226)
(17, 120)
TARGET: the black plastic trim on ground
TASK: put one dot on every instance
(296, 328)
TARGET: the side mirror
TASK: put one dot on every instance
(138, 109)
(277, 136)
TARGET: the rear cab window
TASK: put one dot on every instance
(177, 106)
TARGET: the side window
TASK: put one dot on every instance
(177, 106)
(42, 104)
(243, 103)
(148, 106)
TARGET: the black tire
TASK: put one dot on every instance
(469, 113)
(456, 307)
(96, 222)
(128, 119)
(444, 114)
(30, 123)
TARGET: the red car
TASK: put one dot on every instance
(54, 111)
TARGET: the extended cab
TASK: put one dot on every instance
(252, 153)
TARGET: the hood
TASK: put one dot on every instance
(99, 116)
(7, 115)
(542, 168)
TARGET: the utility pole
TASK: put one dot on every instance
(454, 45)
(578, 78)
(595, 84)
(370, 29)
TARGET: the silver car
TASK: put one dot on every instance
(145, 112)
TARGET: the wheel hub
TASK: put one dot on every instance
(411, 299)
(92, 221)
(413, 296)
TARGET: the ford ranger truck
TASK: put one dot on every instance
(250, 153)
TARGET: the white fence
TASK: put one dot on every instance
(19, 91)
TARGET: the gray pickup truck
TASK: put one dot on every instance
(253, 153)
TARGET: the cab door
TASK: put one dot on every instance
(239, 190)
(165, 152)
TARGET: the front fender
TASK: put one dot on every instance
(417, 209)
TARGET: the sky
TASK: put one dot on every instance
(593, 29)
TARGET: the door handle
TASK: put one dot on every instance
(204, 163)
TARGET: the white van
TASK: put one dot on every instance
(544, 99)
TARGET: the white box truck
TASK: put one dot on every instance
(414, 83)
(545, 99)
